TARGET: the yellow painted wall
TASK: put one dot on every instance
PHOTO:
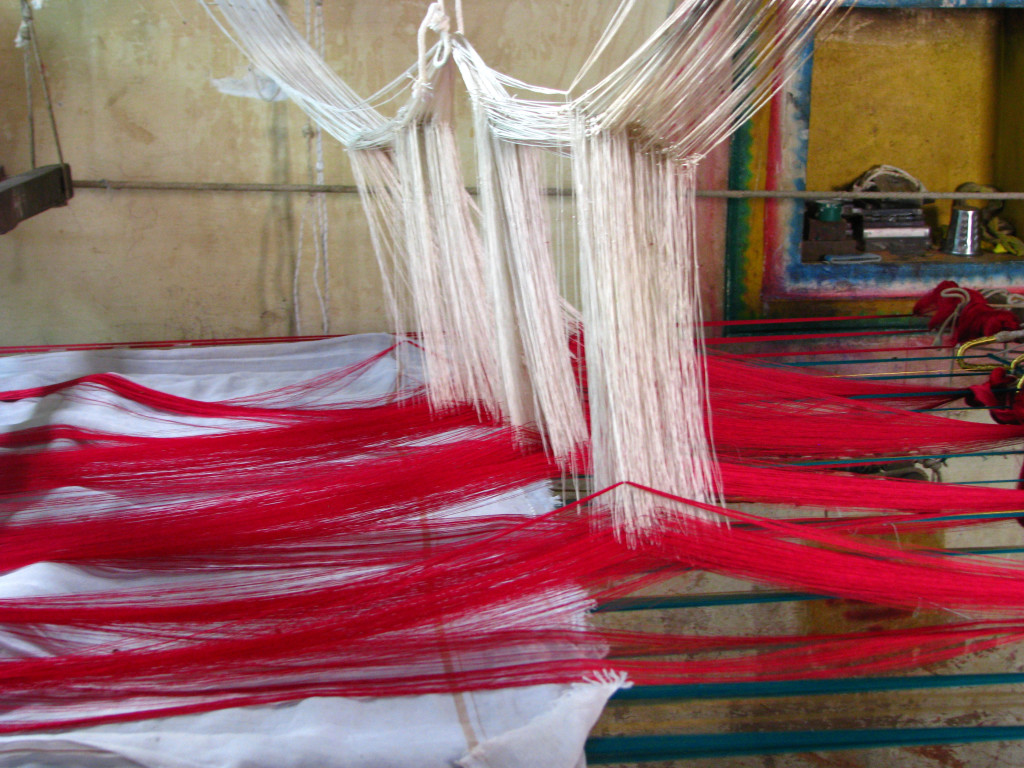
(134, 101)
(912, 88)
(1009, 170)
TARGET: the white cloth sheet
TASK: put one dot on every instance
(209, 374)
(543, 725)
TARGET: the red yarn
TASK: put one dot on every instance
(347, 510)
(739, 373)
(802, 487)
(210, 462)
(976, 318)
(505, 603)
(1000, 395)
(792, 421)
(315, 560)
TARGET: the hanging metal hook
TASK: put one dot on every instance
(1002, 337)
(962, 349)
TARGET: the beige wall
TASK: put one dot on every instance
(131, 81)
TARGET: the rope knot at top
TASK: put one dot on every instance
(436, 20)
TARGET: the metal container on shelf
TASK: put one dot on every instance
(964, 234)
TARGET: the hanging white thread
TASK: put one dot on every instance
(636, 137)
(435, 20)
(315, 208)
(296, 275)
(460, 21)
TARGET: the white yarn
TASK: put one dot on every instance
(424, 233)
(436, 20)
(266, 35)
(23, 37)
(742, 47)
(315, 208)
(296, 274)
(460, 22)
(532, 331)
(636, 138)
(379, 190)
(642, 314)
(250, 85)
(706, 70)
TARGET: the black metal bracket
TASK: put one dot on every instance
(26, 194)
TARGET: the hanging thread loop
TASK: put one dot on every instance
(436, 20)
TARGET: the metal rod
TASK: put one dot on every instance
(351, 189)
(34, 44)
(663, 747)
(213, 186)
(812, 687)
(26, 17)
(673, 602)
(847, 195)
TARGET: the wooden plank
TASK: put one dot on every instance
(27, 194)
